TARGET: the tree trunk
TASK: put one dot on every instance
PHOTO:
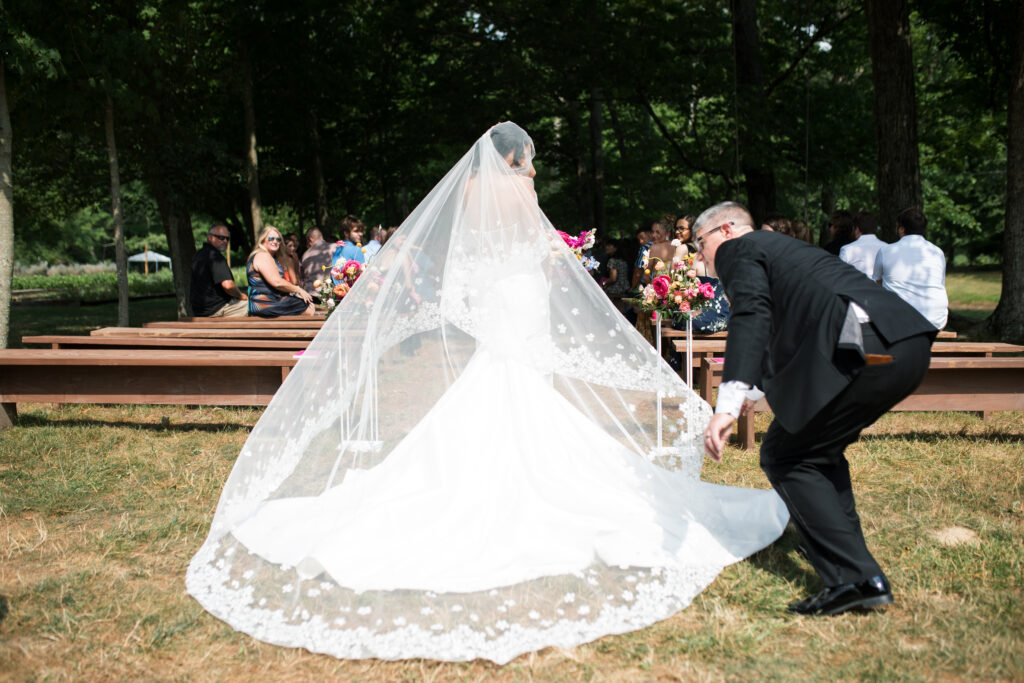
(120, 257)
(6, 213)
(320, 187)
(755, 151)
(1008, 320)
(178, 228)
(586, 207)
(252, 163)
(597, 159)
(892, 70)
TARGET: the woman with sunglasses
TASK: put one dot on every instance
(270, 294)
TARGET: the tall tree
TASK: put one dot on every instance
(892, 70)
(120, 256)
(1008, 319)
(6, 211)
(252, 163)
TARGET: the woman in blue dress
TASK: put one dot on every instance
(270, 294)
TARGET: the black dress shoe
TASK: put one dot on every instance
(866, 595)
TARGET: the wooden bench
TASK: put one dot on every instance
(67, 341)
(716, 347)
(257, 319)
(205, 333)
(139, 376)
(955, 383)
(307, 323)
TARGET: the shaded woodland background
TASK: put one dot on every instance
(137, 124)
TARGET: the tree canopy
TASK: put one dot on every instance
(638, 109)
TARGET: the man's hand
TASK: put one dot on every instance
(716, 434)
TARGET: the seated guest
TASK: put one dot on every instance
(614, 270)
(643, 238)
(377, 239)
(290, 259)
(862, 251)
(660, 249)
(213, 291)
(914, 268)
(681, 240)
(840, 229)
(316, 259)
(270, 295)
(350, 247)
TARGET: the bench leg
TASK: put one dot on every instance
(745, 431)
(8, 415)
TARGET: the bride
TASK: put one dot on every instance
(476, 457)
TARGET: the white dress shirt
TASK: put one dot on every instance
(915, 269)
(861, 253)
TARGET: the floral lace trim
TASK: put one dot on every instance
(209, 579)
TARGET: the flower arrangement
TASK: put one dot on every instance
(674, 291)
(333, 287)
(580, 244)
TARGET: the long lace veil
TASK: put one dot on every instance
(476, 268)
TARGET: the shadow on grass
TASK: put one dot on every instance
(29, 420)
(928, 437)
(780, 559)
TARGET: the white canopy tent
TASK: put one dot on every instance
(149, 260)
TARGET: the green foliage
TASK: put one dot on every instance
(385, 96)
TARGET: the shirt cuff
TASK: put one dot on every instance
(732, 394)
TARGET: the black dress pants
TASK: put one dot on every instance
(810, 472)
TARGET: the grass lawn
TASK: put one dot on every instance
(101, 508)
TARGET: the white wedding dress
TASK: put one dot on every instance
(522, 502)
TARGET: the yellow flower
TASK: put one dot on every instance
(647, 271)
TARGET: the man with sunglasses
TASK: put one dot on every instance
(213, 291)
(832, 352)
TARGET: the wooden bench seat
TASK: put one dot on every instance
(955, 383)
(68, 341)
(205, 332)
(716, 347)
(139, 376)
(306, 323)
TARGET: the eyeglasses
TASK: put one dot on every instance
(699, 241)
(273, 239)
(226, 238)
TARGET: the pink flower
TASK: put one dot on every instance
(691, 273)
(678, 265)
(706, 290)
(685, 306)
(690, 293)
(336, 273)
(661, 285)
(654, 316)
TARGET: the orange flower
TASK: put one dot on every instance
(340, 289)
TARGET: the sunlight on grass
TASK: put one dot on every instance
(103, 507)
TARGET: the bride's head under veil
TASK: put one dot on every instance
(474, 332)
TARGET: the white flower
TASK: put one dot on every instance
(583, 609)
(569, 597)
(400, 621)
(363, 610)
(561, 329)
(534, 614)
(590, 337)
(287, 588)
(247, 574)
(575, 311)
(426, 610)
(340, 621)
(611, 333)
(313, 592)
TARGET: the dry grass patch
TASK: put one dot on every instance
(104, 506)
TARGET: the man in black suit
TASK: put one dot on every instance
(832, 351)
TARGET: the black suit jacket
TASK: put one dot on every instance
(789, 301)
